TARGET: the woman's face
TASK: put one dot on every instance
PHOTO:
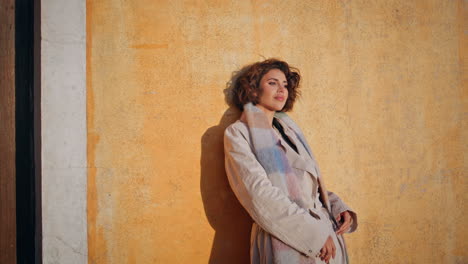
(274, 90)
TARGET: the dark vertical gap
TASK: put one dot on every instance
(37, 129)
(25, 162)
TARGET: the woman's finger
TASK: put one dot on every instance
(323, 253)
(338, 218)
(343, 228)
(347, 217)
(324, 258)
(334, 250)
(346, 224)
(329, 252)
(329, 255)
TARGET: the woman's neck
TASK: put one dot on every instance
(269, 114)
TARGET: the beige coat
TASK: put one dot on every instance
(273, 212)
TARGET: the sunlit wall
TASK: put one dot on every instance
(384, 107)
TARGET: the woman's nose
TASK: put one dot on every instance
(282, 88)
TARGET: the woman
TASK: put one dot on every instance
(274, 175)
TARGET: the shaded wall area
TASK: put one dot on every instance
(383, 106)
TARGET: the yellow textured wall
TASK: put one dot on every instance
(384, 107)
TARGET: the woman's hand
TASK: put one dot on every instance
(328, 250)
(347, 221)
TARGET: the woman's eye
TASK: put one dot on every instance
(271, 83)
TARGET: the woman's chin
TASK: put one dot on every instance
(280, 108)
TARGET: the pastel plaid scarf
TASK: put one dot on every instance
(278, 169)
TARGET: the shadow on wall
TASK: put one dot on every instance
(228, 218)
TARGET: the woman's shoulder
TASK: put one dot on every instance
(237, 129)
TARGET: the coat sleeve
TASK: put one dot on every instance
(338, 206)
(268, 205)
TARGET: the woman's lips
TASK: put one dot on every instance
(279, 98)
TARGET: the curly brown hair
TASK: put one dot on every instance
(247, 85)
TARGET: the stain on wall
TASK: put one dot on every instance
(384, 106)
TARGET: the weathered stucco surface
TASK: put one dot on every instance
(384, 107)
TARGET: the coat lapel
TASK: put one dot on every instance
(309, 164)
(297, 160)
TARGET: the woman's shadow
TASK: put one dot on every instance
(230, 221)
